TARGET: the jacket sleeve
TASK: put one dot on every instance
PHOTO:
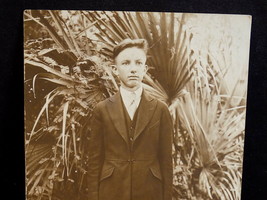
(165, 152)
(95, 154)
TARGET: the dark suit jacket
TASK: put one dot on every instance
(137, 169)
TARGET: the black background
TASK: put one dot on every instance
(11, 82)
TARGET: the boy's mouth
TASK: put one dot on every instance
(133, 77)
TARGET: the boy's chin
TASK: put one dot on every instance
(132, 85)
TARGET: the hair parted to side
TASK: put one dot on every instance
(128, 43)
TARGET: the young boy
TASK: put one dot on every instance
(130, 148)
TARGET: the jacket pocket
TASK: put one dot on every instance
(156, 172)
(106, 173)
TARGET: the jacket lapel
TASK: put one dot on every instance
(145, 112)
(116, 114)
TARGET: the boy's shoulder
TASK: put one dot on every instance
(148, 96)
(102, 103)
(160, 103)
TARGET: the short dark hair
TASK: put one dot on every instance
(128, 43)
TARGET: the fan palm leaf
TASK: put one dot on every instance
(208, 115)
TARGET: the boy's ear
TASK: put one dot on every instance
(114, 69)
(146, 68)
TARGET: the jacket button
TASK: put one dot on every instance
(131, 138)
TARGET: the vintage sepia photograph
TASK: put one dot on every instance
(125, 105)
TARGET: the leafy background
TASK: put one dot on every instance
(197, 66)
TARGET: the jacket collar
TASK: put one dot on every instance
(146, 109)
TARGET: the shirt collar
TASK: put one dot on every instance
(125, 92)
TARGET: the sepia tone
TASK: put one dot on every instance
(197, 66)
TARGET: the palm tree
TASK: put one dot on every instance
(208, 127)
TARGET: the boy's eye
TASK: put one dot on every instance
(139, 63)
(125, 63)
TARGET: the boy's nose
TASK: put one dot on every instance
(133, 68)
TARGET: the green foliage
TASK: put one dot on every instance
(67, 72)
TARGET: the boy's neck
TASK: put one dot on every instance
(131, 89)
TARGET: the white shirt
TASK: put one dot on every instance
(131, 103)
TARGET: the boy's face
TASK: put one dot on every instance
(130, 67)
